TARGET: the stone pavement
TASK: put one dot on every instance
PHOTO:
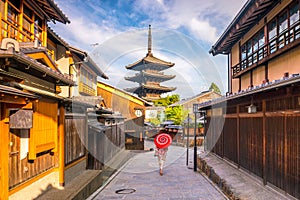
(234, 182)
(139, 180)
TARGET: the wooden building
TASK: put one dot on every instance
(77, 101)
(132, 109)
(150, 75)
(31, 110)
(187, 104)
(256, 126)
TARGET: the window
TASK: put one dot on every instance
(272, 34)
(2, 8)
(27, 22)
(253, 50)
(283, 22)
(261, 44)
(294, 18)
(272, 29)
(281, 30)
(282, 27)
(244, 56)
(294, 14)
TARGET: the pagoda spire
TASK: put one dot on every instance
(149, 41)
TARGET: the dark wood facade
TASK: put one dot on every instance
(256, 125)
(265, 143)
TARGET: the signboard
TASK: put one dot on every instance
(21, 119)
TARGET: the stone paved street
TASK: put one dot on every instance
(141, 175)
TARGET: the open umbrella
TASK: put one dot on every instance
(162, 140)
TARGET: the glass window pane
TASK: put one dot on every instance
(283, 23)
(294, 14)
(272, 29)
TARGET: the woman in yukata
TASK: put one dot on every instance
(162, 141)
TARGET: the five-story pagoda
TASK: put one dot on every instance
(150, 75)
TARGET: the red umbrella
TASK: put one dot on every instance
(162, 140)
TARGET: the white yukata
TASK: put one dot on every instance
(161, 155)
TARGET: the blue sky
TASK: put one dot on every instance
(182, 31)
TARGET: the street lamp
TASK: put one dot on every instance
(195, 109)
(187, 120)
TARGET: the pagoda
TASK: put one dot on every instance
(150, 75)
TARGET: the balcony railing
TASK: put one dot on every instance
(12, 29)
(277, 45)
(83, 88)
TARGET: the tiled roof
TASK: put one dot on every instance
(64, 79)
(161, 76)
(52, 33)
(52, 10)
(88, 61)
(152, 60)
(183, 101)
(32, 50)
(248, 16)
(126, 92)
(292, 79)
(159, 88)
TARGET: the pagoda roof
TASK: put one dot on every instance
(148, 62)
(151, 98)
(160, 77)
(148, 88)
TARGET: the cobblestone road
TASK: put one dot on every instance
(139, 180)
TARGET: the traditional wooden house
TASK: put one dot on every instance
(256, 126)
(31, 113)
(150, 75)
(187, 104)
(132, 109)
(78, 102)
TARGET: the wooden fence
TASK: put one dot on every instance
(266, 143)
(75, 137)
(103, 145)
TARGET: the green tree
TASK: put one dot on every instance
(214, 87)
(176, 114)
(170, 99)
(154, 121)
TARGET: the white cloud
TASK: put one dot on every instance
(201, 19)
(203, 30)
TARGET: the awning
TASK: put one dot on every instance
(13, 91)
(38, 91)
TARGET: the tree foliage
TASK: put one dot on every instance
(170, 99)
(176, 114)
(154, 121)
(214, 87)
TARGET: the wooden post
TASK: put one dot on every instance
(86, 140)
(264, 143)
(61, 132)
(238, 134)
(285, 153)
(4, 143)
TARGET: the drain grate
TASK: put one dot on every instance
(125, 191)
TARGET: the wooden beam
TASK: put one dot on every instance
(61, 135)
(238, 135)
(285, 154)
(4, 143)
(264, 144)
